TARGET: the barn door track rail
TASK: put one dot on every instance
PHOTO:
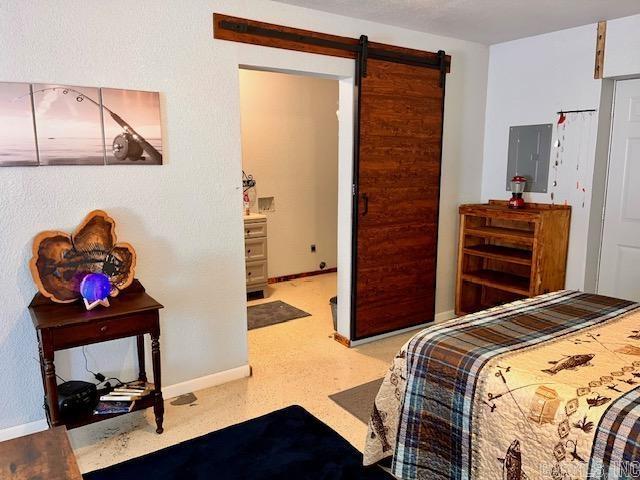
(242, 30)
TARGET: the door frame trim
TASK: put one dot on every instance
(605, 181)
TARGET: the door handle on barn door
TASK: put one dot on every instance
(365, 199)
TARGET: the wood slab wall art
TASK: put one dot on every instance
(46, 124)
(61, 260)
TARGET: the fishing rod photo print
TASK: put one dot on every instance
(47, 124)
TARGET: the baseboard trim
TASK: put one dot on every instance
(207, 381)
(439, 318)
(168, 392)
(22, 430)
(341, 339)
(293, 276)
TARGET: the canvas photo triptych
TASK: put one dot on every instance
(44, 124)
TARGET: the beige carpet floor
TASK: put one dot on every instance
(295, 362)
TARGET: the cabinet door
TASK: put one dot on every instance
(398, 189)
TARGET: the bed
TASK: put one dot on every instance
(543, 388)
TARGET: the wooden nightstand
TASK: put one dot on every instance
(60, 326)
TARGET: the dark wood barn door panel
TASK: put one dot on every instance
(398, 189)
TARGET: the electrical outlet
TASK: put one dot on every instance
(313, 248)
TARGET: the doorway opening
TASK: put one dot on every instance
(290, 162)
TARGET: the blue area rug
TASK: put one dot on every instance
(285, 444)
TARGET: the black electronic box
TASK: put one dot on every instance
(76, 396)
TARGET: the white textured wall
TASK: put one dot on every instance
(529, 81)
(290, 146)
(622, 46)
(184, 217)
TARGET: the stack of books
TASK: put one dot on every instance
(122, 399)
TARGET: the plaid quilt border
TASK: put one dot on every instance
(616, 447)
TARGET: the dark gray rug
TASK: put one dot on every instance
(358, 401)
(271, 313)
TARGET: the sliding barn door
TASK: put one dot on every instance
(398, 142)
(397, 189)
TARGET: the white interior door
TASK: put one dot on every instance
(620, 256)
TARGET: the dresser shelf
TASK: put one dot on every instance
(501, 233)
(496, 252)
(499, 280)
(506, 254)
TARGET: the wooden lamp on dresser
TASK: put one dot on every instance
(508, 254)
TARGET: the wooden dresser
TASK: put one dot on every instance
(506, 254)
(255, 252)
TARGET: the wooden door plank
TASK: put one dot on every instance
(399, 171)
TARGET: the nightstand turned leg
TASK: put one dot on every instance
(142, 374)
(158, 405)
(44, 377)
(51, 390)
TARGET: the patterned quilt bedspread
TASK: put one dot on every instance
(544, 388)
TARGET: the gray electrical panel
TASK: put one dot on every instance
(529, 153)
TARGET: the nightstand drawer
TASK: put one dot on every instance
(255, 249)
(103, 330)
(255, 229)
(256, 273)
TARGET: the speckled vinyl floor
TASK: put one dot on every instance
(295, 362)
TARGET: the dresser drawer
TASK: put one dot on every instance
(255, 229)
(255, 249)
(256, 273)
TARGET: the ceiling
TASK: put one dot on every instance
(485, 21)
